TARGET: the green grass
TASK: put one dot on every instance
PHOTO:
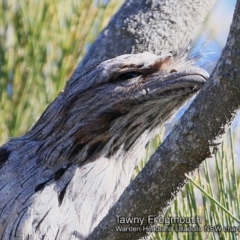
(41, 43)
(212, 193)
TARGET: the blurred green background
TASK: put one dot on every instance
(41, 43)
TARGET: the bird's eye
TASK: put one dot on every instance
(127, 75)
(173, 71)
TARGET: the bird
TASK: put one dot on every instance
(61, 178)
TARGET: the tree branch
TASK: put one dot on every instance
(193, 139)
(154, 26)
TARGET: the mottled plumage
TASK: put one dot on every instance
(60, 179)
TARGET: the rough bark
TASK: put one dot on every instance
(195, 137)
(156, 26)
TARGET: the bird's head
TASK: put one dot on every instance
(114, 103)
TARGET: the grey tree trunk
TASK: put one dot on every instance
(61, 178)
(156, 26)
